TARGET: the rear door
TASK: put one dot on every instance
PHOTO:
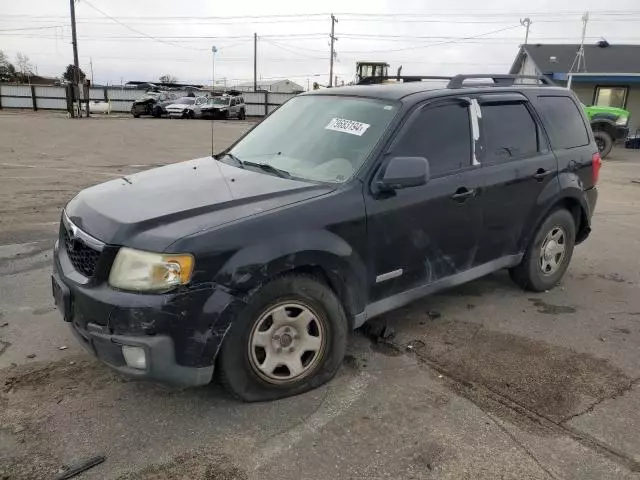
(517, 166)
(422, 234)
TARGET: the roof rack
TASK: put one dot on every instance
(500, 80)
(404, 78)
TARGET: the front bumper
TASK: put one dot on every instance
(180, 332)
(621, 132)
(161, 365)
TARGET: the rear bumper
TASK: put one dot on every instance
(591, 198)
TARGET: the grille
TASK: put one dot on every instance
(83, 258)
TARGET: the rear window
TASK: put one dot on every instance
(508, 131)
(563, 122)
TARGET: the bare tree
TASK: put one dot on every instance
(167, 78)
(24, 66)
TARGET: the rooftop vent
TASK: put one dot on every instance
(553, 59)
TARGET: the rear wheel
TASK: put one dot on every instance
(157, 112)
(290, 338)
(136, 115)
(604, 142)
(241, 115)
(547, 258)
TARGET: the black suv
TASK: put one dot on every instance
(343, 204)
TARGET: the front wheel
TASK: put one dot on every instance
(547, 258)
(604, 142)
(290, 338)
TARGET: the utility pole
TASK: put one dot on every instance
(91, 67)
(334, 20)
(526, 22)
(74, 42)
(255, 62)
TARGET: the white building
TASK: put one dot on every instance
(273, 86)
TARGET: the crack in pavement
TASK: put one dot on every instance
(477, 392)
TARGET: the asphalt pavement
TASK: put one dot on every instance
(484, 381)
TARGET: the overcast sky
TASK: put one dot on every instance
(293, 35)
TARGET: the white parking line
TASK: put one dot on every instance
(336, 403)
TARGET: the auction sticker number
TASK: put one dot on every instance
(347, 126)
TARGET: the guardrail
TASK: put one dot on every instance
(40, 97)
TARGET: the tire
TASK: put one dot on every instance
(530, 274)
(136, 115)
(604, 142)
(238, 363)
(191, 114)
(225, 116)
(157, 112)
(241, 115)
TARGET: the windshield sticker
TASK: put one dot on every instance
(347, 126)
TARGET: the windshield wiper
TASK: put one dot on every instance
(268, 168)
(265, 167)
(231, 156)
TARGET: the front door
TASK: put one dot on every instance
(517, 166)
(422, 234)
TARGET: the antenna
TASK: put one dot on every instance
(213, 90)
(580, 61)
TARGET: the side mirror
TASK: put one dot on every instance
(404, 172)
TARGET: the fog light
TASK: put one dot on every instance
(134, 356)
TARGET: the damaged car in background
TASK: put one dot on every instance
(186, 107)
(225, 107)
(255, 263)
(152, 103)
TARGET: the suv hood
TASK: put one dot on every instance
(152, 209)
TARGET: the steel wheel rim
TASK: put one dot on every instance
(600, 144)
(287, 343)
(553, 250)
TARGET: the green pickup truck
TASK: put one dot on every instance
(608, 124)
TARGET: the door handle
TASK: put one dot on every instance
(462, 194)
(541, 174)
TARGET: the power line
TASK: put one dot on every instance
(86, 2)
(31, 28)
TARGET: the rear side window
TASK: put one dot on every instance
(441, 134)
(563, 122)
(508, 132)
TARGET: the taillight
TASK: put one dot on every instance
(596, 163)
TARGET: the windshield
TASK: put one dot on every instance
(317, 137)
(220, 101)
(186, 101)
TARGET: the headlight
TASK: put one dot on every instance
(622, 120)
(146, 271)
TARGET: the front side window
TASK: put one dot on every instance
(611, 97)
(507, 131)
(318, 137)
(442, 135)
(563, 122)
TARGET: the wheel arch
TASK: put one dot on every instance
(571, 199)
(320, 254)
